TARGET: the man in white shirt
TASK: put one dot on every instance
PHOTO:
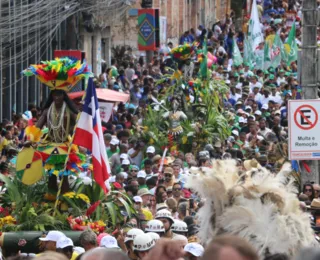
(281, 78)
(266, 96)
(275, 96)
(264, 130)
(257, 95)
(136, 153)
(217, 29)
(233, 94)
(254, 83)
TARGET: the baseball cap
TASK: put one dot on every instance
(265, 106)
(141, 174)
(109, 242)
(64, 242)
(194, 248)
(258, 113)
(53, 236)
(248, 107)
(253, 117)
(137, 199)
(239, 103)
(235, 132)
(151, 149)
(228, 82)
(124, 156)
(231, 139)
(125, 162)
(119, 127)
(241, 119)
(114, 141)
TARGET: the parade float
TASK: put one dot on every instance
(191, 106)
(50, 185)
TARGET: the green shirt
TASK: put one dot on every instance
(143, 186)
(110, 153)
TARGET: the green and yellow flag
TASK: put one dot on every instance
(291, 47)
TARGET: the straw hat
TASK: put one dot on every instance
(315, 204)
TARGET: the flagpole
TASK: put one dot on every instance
(69, 150)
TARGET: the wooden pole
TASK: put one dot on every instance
(308, 73)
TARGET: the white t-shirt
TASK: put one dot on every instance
(136, 160)
(221, 49)
(257, 84)
(277, 98)
(235, 96)
(257, 97)
(264, 132)
(264, 100)
(281, 80)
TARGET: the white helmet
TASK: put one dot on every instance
(164, 213)
(154, 225)
(143, 242)
(155, 236)
(179, 226)
(132, 233)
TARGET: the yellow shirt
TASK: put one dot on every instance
(3, 144)
(74, 256)
(147, 213)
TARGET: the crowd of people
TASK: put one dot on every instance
(256, 107)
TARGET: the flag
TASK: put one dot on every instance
(275, 51)
(259, 58)
(291, 45)
(237, 58)
(267, 59)
(88, 134)
(255, 35)
(247, 52)
(204, 63)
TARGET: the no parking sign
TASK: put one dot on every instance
(304, 129)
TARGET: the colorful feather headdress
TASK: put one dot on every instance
(59, 74)
(183, 52)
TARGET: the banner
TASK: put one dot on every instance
(105, 111)
(163, 30)
(149, 34)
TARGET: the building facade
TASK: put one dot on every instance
(179, 16)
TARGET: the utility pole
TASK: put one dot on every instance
(308, 75)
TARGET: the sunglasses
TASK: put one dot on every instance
(168, 175)
(308, 190)
(177, 189)
(134, 170)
